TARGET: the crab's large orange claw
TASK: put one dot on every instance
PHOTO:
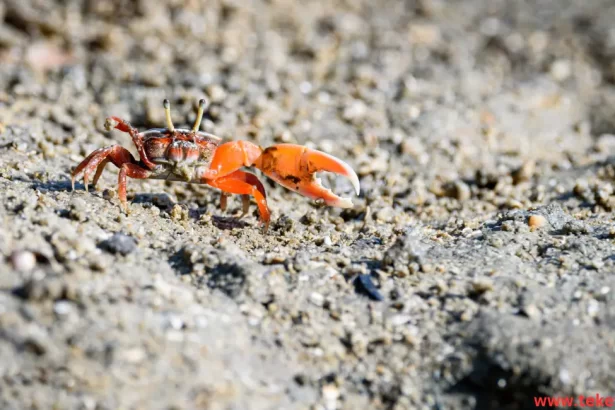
(294, 166)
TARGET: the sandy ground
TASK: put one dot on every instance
(474, 272)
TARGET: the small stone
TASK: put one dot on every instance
(576, 228)
(119, 243)
(400, 320)
(134, 355)
(466, 316)
(531, 311)
(216, 93)
(427, 268)
(564, 376)
(305, 87)
(363, 284)
(496, 242)
(76, 210)
(354, 111)
(45, 289)
(524, 173)
(62, 307)
(177, 213)
(273, 259)
(310, 218)
(581, 189)
(458, 190)
(284, 136)
(23, 261)
(317, 299)
(330, 394)
(537, 221)
(596, 263)
(561, 70)
(482, 285)
(593, 307)
(385, 214)
(108, 194)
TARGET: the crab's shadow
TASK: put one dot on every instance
(228, 222)
(59, 185)
(161, 200)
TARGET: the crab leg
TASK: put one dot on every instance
(120, 124)
(244, 183)
(245, 203)
(133, 171)
(97, 160)
(223, 201)
(121, 158)
(99, 171)
(290, 165)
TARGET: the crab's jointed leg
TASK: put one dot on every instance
(98, 159)
(223, 201)
(245, 203)
(121, 158)
(134, 171)
(120, 124)
(244, 183)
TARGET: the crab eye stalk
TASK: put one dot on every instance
(203, 103)
(167, 113)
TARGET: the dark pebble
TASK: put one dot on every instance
(119, 243)
(364, 285)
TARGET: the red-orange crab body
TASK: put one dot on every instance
(178, 154)
(199, 157)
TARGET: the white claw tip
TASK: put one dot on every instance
(344, 203)
(354, 179)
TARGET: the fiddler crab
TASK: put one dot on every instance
(190, 155)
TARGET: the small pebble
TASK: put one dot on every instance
(458, 190)
(581, 189)
(330, 394)
(564, 376)
(385, 214)
(524, 173)
(354, 111)
(177, 212)
(317, 299)
(482, 285)
(531, 311)
(76, 210)
(536, 221)
(62, 307)
(576, 228)
(216, 93)
(365, 285)
(561, 70)
(109, 194)
(23, 261)
(593, 307)
(119, 243)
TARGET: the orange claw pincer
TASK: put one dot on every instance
(294, 166)
(290, 165)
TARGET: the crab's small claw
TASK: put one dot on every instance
(294, 166)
